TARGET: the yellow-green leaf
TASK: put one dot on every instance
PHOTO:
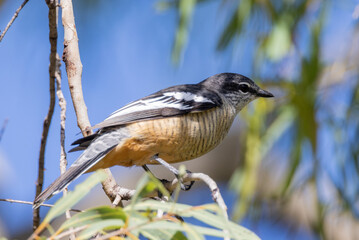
(72, 198)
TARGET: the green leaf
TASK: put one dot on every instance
(168, 225)
(159, 185)
(277, 128)
(279, 41)
(185, 9)
(74, 197)
(155, 205)
(191, 232)
(219, 222)
(146, 185)
(162, 234)
(247, 178)
(293, 166)
(194, 231)
(234, 26)
(209, 214)
(164, 5)
(179, 236)
(109, 224)
(94, 215)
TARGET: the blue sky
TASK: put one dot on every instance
(125, 49)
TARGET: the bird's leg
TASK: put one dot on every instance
(174, 171)
(164, 181)
(149, 171)
(146, 169)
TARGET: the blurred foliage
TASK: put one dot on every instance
(147, 218)
(289, 57)
(185, 10)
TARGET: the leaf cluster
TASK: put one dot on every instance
(142, 218)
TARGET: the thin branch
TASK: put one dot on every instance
(3, 128)
(62, 104)
(13, 19)
(31, 203)
(52, 76)
(71, 57)
(45, 131)
(70, 232)
(216, 195)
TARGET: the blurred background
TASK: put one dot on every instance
(289, 167)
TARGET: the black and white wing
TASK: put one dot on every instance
(168, 102)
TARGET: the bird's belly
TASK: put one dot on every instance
(174, 139)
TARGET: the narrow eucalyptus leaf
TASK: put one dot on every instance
(94, 215)
(108, 224)
(74, 197)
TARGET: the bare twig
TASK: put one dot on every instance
(30, 203)
(54, 57)
(52, 76)
(109, 186)
(71, 57)
(3, 128)
(12, 19)
(46, 126)
(62, 104)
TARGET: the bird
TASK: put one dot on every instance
(172, 125)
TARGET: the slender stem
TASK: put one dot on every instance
(41, 163)
(30, 203)
(52, 5)
(12, 19)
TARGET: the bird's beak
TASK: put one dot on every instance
(264, 93)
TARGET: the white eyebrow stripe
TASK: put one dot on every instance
(244, 83)
(187, 96)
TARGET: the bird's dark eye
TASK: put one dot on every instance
(244, 88)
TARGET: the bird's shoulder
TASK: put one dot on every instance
(168, 102)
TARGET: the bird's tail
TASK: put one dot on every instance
(65, 179)
(97, 150)
(58, 185)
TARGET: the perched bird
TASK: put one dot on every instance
(175, 124)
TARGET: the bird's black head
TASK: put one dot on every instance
(238, 89)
